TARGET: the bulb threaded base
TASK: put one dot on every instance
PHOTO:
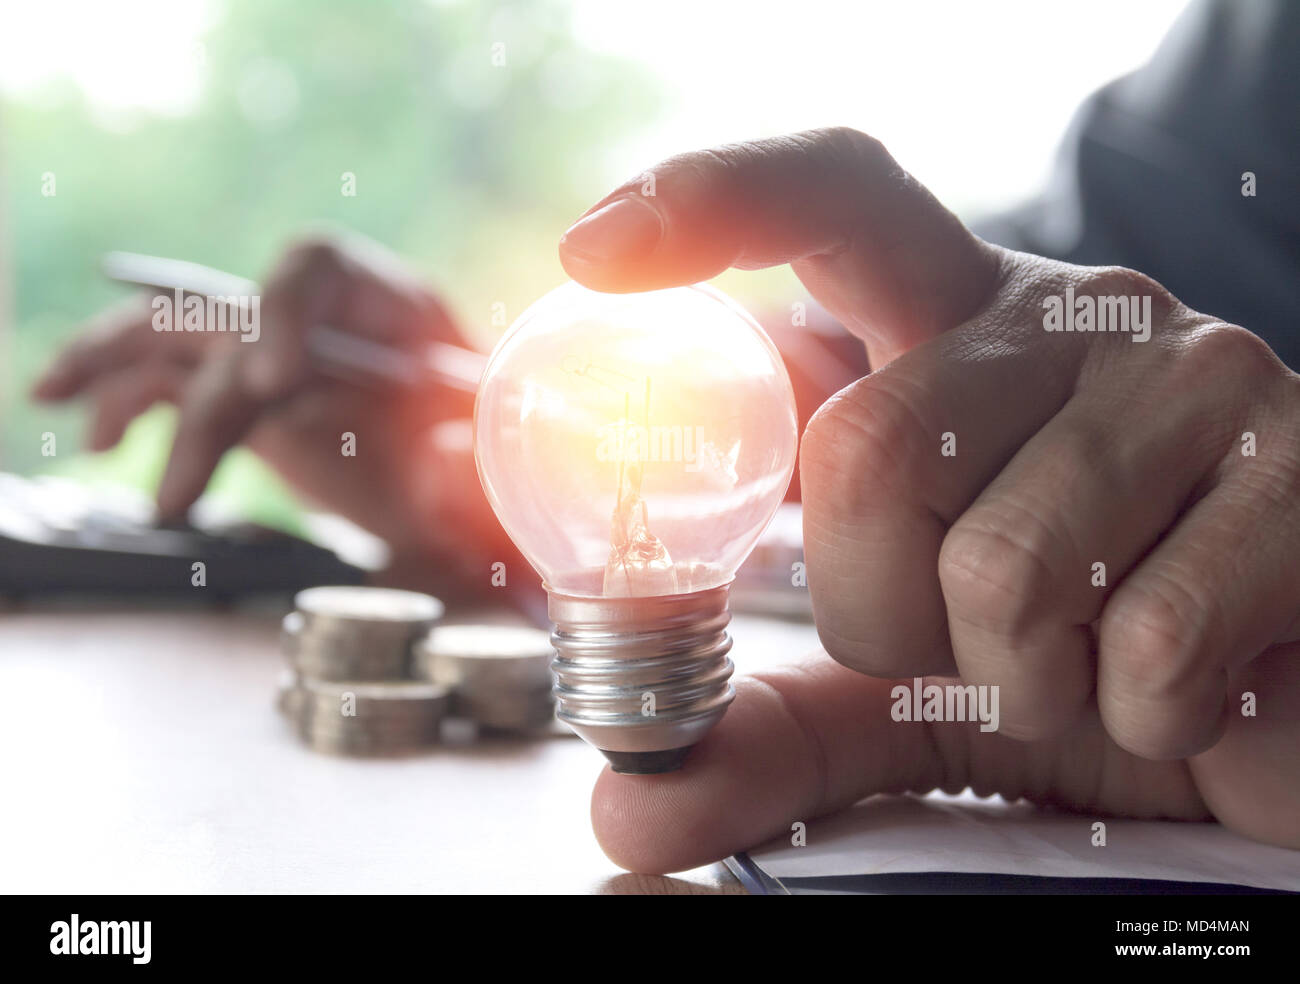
(642, 679)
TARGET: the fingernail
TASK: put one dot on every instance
(622, 230)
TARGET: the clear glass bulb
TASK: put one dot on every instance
(635, 445)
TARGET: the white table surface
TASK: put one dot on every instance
(140, 752)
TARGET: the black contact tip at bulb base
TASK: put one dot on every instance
(647, 763)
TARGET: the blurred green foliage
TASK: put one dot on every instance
(469, 169)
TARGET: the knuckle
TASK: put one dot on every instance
(708, 172)
(860, 440)
(851, 144)
(1158, 632)
(735, 179)
(309, 258)
(992, 576)
(851, 456)
(1118, 281)
(1218, 348)
(848, 156)
(1122, 280)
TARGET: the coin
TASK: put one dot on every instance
(364, 604)
(523, 711)
(357, 654)
(368, 717)
(486, 658)
(356, 633)
(388, 699)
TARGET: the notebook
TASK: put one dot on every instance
(941, 844)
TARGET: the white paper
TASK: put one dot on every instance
(965, 834)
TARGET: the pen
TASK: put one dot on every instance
(335, 351)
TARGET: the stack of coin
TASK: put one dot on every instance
(369, 717)
(500, 676)
(354, 633)
(351, 688)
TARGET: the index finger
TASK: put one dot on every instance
(867, 239)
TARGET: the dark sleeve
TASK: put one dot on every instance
(1151, 174)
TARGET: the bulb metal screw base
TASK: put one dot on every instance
(642, 679)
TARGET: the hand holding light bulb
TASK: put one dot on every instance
(977, 563)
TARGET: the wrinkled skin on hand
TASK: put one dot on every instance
(1071, 449)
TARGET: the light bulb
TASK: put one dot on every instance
(634, 447)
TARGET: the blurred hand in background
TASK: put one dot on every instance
(412, 479)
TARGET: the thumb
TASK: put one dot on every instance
(807, 740)
(867, 240)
